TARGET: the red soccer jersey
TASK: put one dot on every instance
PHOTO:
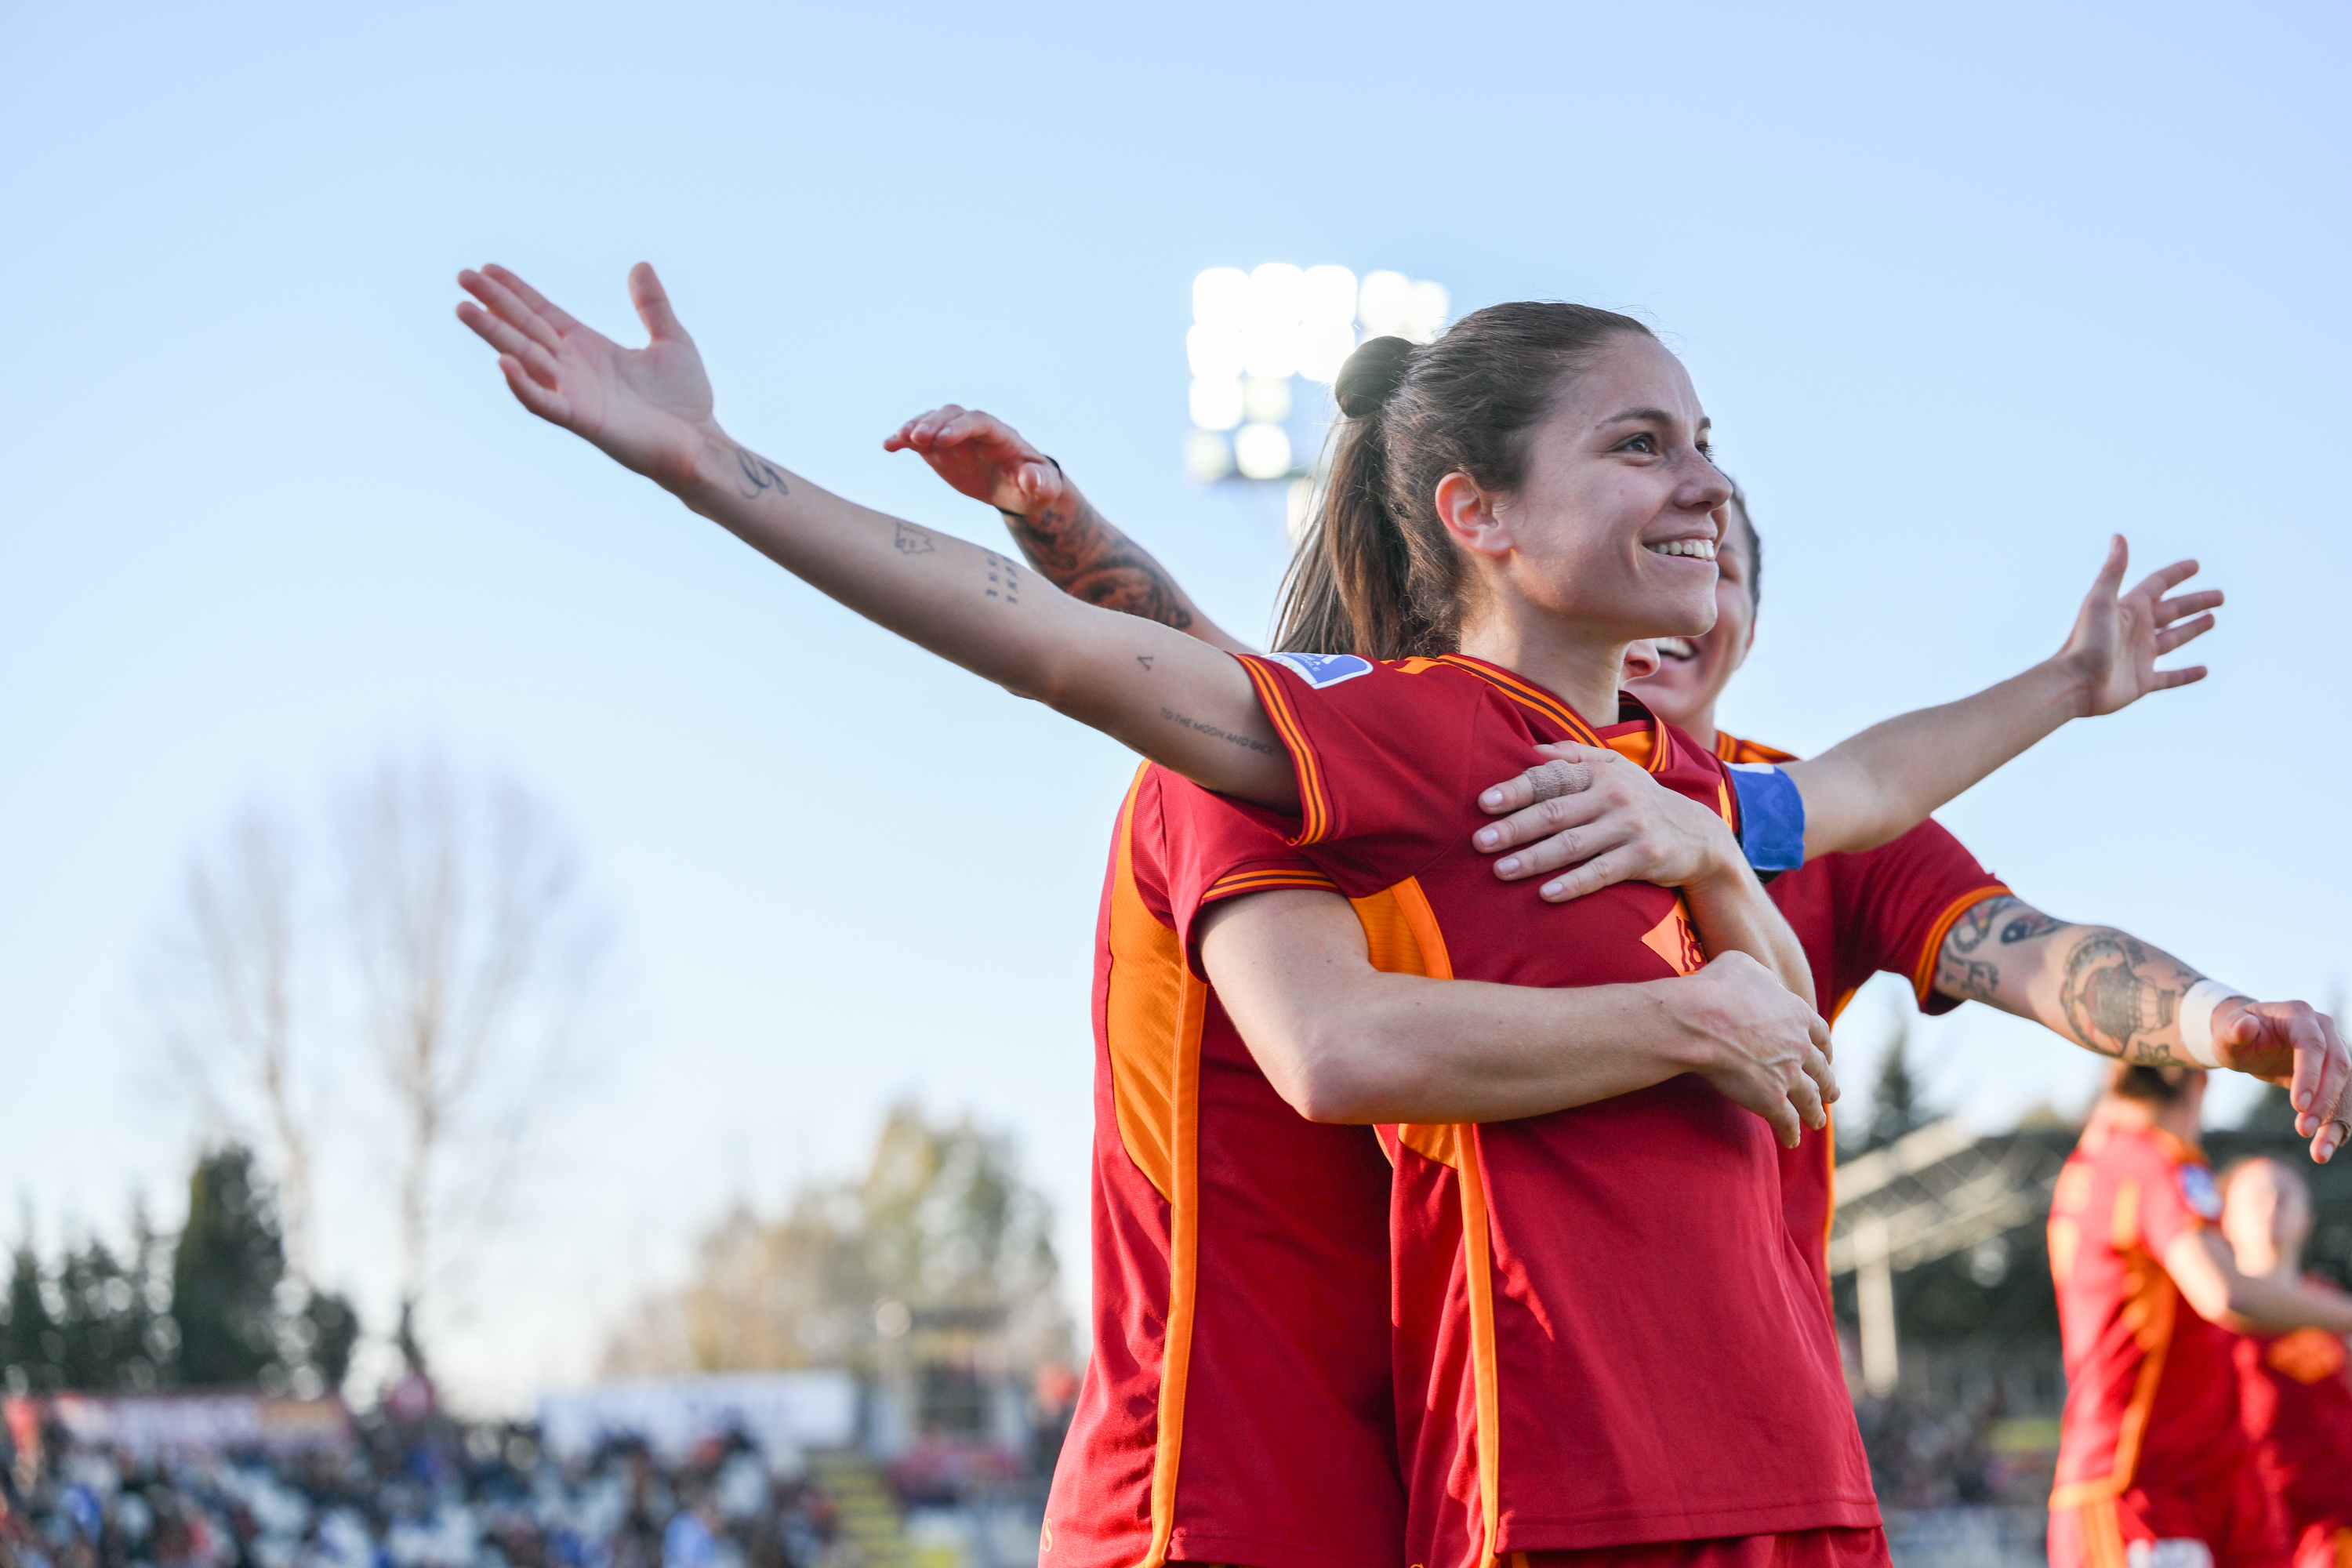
(2152, 1387)
(1885, 909)
(2297, 1408)
(1236, 1406)
(1604, 1335)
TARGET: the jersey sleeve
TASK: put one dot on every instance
(2167, 1199)
(1210, 850)
(1909, 895)
(1383, 758)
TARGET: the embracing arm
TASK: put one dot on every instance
(1341, 1041)
(1171, 697)
(1060, 533)
(2111, 993)
(2202, 1264)
(1879, 784)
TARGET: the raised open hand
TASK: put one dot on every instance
(982, 457)
(649, 409)
(2118, 638)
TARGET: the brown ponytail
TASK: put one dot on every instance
(1376, 573)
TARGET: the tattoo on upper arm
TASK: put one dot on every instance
(912, 540)
(2118, 997)
(1003, 578)
(759, 474)
(1970, 930)
(1088, 559)
(1967, 979)
(1211, 730)
(2029, 924)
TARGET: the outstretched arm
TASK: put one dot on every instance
(2201, 1263)
(1881, 784)
(1171, 697)
(1060, 533)
(2111, 993)
(1344, 1042)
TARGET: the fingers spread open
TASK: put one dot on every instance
(513, 309)
(546, 401)
(510, 342)
(2164, 579)
(2171, 610)
(2166, 679)
(2171, 638)
(541, 306)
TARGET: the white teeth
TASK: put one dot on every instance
(1698, 549)
(1677, 648)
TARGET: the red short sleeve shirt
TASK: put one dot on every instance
(2152, 1395)
(1236, 1404)
(1604, 1333)
(1887, 908)
(2297, 1409)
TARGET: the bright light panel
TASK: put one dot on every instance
(1208, 456)
(1265, 400)
(1217, 402)
(1263, 451)
(1220, 296)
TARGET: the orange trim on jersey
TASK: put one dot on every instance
(1314, 800)
(1829, 1220)
(1241, 882)
(2152, 1313)
(1922, 972)
(1732, 749)
(1483, 1366)
(1528, 696)
(1154, 1009)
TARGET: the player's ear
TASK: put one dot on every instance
(1468, 513)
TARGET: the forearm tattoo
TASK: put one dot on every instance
(1003, 578)
(912, 540)
(759, 474)
(1088, 559)
(2120, 998)
(1211, 730)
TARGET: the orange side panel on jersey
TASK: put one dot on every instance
(1155, 1009)
(2150, 1313)
(1732, 749)
(1922, 974)
(1404, 937)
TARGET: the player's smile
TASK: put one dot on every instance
(1677, 650)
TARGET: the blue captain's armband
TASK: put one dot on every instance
(1771, 817)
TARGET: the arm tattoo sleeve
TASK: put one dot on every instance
(1086, 557)
(2120, 998)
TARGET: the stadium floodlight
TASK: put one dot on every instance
(1263, 452)
(1218, 402)
(1255, 332)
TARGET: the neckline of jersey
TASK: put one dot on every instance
(1630, 710)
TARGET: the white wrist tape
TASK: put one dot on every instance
(2197, 1019)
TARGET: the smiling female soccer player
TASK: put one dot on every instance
(1573, 514)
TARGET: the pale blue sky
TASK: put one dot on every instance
(1962, 290)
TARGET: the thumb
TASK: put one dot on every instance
(647, 294)
(2110, 580)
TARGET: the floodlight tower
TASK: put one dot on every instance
(1264, 347)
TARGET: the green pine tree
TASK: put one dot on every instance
(225, 1274)
(1897, 1106)
(30, 1348)
(98, 1334)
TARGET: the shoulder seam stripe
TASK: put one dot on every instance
(1923, 978)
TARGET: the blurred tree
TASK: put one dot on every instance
(99, 1331)
(942, 1230)
(225, 1274)
(221, 985)
(30, 1345)
(475, 953)
(1897, 1106)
